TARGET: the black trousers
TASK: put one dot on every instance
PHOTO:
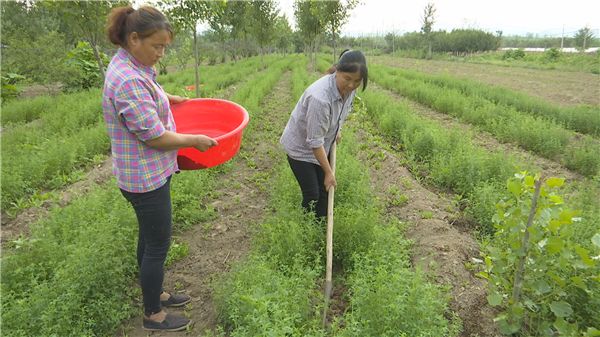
(153, 211)
(311, 177)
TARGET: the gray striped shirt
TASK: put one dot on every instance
(316, 119)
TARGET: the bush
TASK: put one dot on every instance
(552, 54)
(82, 68)
(9, 88)
(515, 54)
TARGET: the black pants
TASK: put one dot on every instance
(153, 211)
(311, 180)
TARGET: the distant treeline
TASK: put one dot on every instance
(460, 41)
(544, 42)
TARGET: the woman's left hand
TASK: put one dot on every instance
(174, 99)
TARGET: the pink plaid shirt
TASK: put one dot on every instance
(136, 109)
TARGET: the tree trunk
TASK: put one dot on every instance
(98, 59)
(333, 37)
(196, 64)
(429, 51)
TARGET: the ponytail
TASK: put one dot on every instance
(145, 21)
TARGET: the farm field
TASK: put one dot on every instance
(559, 87)
(415, 243)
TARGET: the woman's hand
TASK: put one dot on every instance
(174, 99)
(203, 143)
(338, 138)
(329, 181)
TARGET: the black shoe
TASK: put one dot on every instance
(176, 300)
(170, 323)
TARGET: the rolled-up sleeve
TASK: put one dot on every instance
(138, 111)
(317, 122)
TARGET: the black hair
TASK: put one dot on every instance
(145, 21)
(352, 61)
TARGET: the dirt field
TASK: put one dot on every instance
(560, 87)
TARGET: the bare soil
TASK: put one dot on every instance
(560, 87)
(242, 203)
(38, 90)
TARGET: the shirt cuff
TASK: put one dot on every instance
(154, 132)
(315, 143)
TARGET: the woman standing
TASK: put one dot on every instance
(315, 124)
(144, 146)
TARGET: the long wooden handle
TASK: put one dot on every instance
(328, 271)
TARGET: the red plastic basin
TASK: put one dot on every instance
(217, 118)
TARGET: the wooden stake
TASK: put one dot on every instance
(329, 267)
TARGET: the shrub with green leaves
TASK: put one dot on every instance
(514, 54)
(545, 281)
(82, 70)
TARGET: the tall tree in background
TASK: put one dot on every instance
(311, 23)
(186, 15)
(239, 21)
(85, 19)
(427, 26)
(283, 33)
(264, 14)
(336, 14)
(219, 23)
(583, 37)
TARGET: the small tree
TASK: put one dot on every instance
(186, 15)
(427, 27)
(311, 24)
(87, 19)
(336, 14)
(265, 14)
(583, 37)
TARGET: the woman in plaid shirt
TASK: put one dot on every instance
(144, 145)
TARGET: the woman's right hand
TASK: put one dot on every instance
(329, 181)
(204, 143)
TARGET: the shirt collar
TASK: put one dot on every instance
(333, 87)
(124, 54)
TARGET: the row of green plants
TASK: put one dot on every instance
(220, 76)
(536, 134)
(69, 136)
(81, 256)
(550, 59)
(276, 290)
(583, 118)
(447, 158)
(211, 78)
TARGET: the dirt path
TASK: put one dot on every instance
(12, 228)
(560, 87)
(487, 140)
(241, 202)
(439, 247)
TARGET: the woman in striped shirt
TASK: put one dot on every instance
(315, 124)
(144, 145)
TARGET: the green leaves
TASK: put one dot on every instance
(596, 240)
(554, 264)
(555, 182)
(494, 299)
(561, 309)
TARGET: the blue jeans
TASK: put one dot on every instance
(153, 211)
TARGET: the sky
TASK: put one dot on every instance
(512, 17)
